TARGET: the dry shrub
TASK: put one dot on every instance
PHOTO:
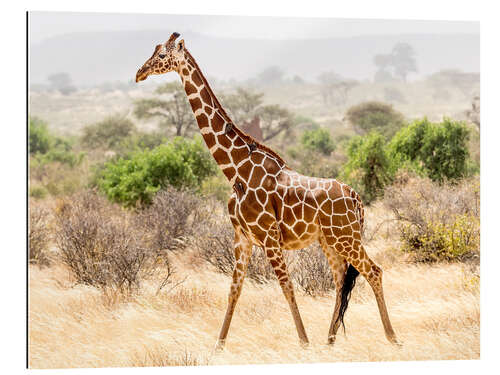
(437, 222)
(100, 245)
(215, 242)
(311, 271)
(168, 221)
(38, 236)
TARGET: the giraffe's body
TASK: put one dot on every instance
(273, 206)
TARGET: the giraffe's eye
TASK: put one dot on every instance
(161, 56)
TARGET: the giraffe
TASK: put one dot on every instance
(273, 206)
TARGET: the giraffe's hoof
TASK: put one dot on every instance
(331, 340)
(304, 344)
(397, 343)
(219, 346)
(394, 341)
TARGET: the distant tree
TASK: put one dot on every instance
(171, 107)
(403, 60)
(271, 76)
(369, 116)
(108, 133)
(243, 104)
(298, 80)
(327, 81)
(400, 62)
(319, 140)
(274, 120)
(334, 89)
(61, 82)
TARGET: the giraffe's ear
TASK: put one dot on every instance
(180, 45)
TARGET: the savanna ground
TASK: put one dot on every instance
(434, 310)
(432, 289)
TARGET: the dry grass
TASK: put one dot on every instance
(434, 309)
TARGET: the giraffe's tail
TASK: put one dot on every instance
(349, 283)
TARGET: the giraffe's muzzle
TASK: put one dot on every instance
(141, 75)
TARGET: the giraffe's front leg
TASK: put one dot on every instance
(275, 256)
(242, 254)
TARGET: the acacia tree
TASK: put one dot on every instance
(401, 61)
(369, 116)
(62, 82)
(334, 89)
(274, 120)
(171, 107)
(271, 75)
(243, 104)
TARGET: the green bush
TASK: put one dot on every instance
(318, 140)
(375, 116)
(40, 138)
(140, 141)
(180, 163)
(108, 133)
(46, 148)
(439, 150)
(37, 192)
(368, 169)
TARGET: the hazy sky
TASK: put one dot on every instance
(47, 24)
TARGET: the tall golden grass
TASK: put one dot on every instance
(434, 310)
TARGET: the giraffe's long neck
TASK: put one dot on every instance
(227, 144)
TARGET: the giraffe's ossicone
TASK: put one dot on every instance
(273, 206)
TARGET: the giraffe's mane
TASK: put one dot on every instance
(246, 137)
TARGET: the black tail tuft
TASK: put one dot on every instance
(349, 282)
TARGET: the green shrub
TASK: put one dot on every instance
(368, 169)
(375, 116)
(181, 163)
(38, 192)
(108, 133)
(439, 150)
(140, 141)
(40, 138)
(318, 140)
(45, 147)
(437, 222)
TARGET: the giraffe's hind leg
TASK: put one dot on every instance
(356, 255)
(338, 266)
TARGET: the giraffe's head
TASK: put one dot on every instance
(166, 57)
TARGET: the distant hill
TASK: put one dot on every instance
(94, 58)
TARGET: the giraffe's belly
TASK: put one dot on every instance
(291, 239)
